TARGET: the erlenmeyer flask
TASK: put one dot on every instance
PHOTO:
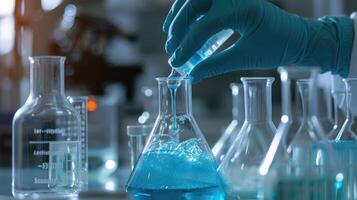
(230, 133)
(346, 141)
(240, 166)
(306, 130)
(311, 173)
(177, 162)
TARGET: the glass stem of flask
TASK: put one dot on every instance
(237, 103)
(304, 95)
(257, 98)
(174, 125)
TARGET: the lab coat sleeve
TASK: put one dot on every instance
(353, 63)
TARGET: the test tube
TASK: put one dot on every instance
(137, 138)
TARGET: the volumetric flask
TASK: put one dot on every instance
(230, 133)
(310, 172)
(346, 141)
(46, 138)
(138, 135)
(240, 165)
(177, 162)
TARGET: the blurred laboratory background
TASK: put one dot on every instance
(114, 51)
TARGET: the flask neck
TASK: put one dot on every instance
(237, 102)
(304, 92)
(47, 76)
(338, 117)
(258, 99)
(175, 100)
(351, 98)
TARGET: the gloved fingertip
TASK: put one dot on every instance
(165, 27)
(175, 60)
(169, 47)
(171, 61)
(167, 22)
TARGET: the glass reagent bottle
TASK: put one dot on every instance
(46, 138)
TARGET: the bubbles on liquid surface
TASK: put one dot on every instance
(170, 164)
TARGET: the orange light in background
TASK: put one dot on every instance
(92, 104)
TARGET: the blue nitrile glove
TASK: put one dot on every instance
(270, 37)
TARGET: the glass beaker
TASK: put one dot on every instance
(346, 141)
(138, 135)
(240, 165)
(46, 136)
(177, 162)
(230, 133)
(310, 172)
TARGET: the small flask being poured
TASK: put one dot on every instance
(208, 48)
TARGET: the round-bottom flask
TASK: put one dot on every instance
(230, 133)
(46, 138)
(240, 166)
(176, 162)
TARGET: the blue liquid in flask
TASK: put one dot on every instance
(308, 188)
(176, 171)
(309, 181)
(347, 153)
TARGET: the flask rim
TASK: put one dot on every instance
(254, 79)
(46, 58)
(162, 79)
(138, 130)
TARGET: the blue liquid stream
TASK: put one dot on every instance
(176, 171)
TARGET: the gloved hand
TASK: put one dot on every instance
(270, 37)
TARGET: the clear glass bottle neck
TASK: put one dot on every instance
(258, 99)
(338, 117)
(304, 93)
(237, 102)
(179, 99)
(351, 98)
(47, 76)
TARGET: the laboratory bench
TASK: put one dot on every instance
(113, 190)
